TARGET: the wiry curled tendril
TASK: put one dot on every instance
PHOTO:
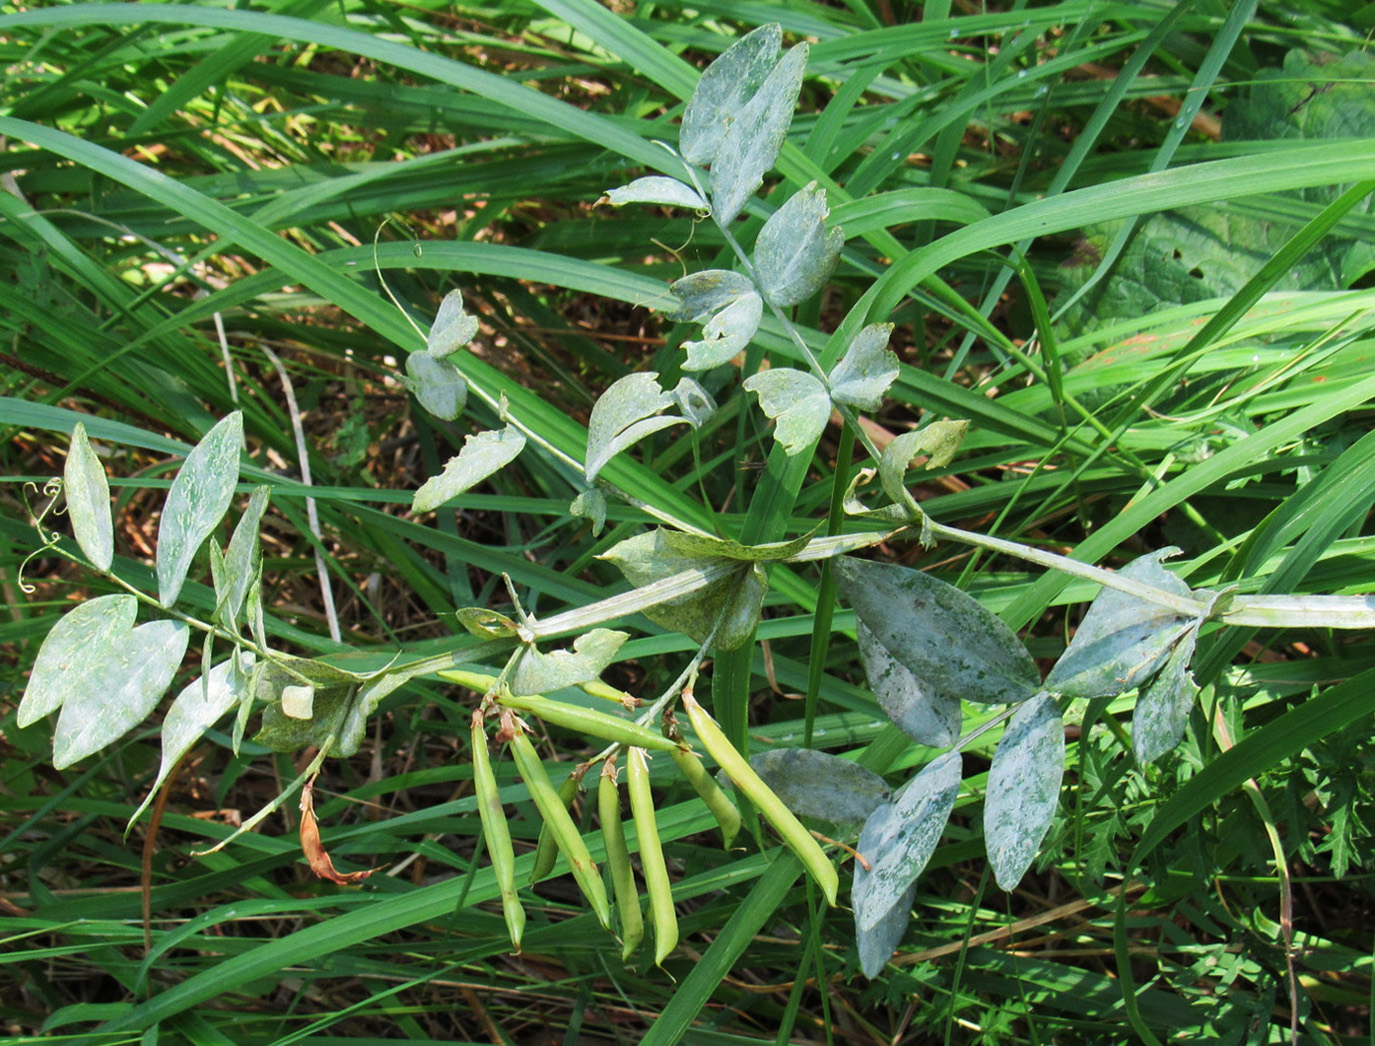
(47, 538)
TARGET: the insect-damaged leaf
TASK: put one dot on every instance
(723, 90)
(796, 401)
(940, 634)
(196, 502)
(88, 501)
(728, 307)
(917, 708)
(481, 456)
(821, 785)
(795, 253)
(1163, 706)
(753, 140)
(538, 673)
(437, 384)
(71, 660)
(867, 369)
(938, 441)
(624, 414)
(1024, 787)
(667, 192)
(136, 670)
(453, 327)
(899, 838)
(1122, 640)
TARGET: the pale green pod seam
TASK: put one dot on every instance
(588, 721)
(711, 793)
(618, 862)
(789, 828)
(657, 883)
(497, 832)
(561, 826)
(546, 851)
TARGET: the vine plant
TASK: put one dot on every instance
(926, 646)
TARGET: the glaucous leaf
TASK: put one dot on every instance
(868, 368)
(88, 501)
(487, 624)
(623, 414)
(1163, 706)
(481, 456)
(795, 253)
(452, 329)
(590, 504)
(939, 441)
(919, 710)
(196, 502)
(877, 944)
(136, 671)
(940, 634)
(71, 660)
(657, 189)
(702, 294)
(437, 384)
(753, 140)
(243, 560)
(796, 401)
(821, 785)
(538, 673)
(702, 545)
(694, 402)
(725, 335)
(1122, 640)
(1024, 787)
(198, 707)
(899, 838)
(723, 89)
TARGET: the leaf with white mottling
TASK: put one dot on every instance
(482, 455)
(700, 295)
(943, 636)
(1122, 640)
(726, 334)
(666, 192)
(135, 673)
(452, 329)
(590, 504)
(623, 415)
(795, 253)
(538, 673)
(821, 785)
(877, 944)
(1024, 787)
(196, 502)
(723, 89)
(868, 368)
(918, 709)
(796, 401)
(938, 440)
(899, 838)
(1163, 706)
(694, 402)
(437, 384)
(243, 560)
(70, 660)
(88, 501)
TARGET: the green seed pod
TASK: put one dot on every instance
(738, 769)
(546, 852)
(657, 883)
(561, 826)
(588, 721)
(498, 833)
(618, 861)
(711, 793)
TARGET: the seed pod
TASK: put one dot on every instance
(546, 852)
(588, 721)
(711, 793)
(738, 769)
(657, 883)
(498, 833)
(561, 826)
(618, 861)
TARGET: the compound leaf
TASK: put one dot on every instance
(796, 401)
(1024, 787)
(795, 253)
(725, 334)
(481, 456)
(623, 415)
(867, 369)
(88, 500)
(196, 502)
(71, 659)
(135, 672)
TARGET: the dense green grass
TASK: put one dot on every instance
(174, 171)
